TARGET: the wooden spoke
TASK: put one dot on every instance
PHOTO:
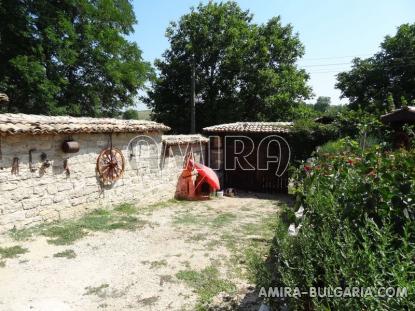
(110, 165)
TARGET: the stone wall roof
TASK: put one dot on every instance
(13, 124)
(184, 139)
(250, 127)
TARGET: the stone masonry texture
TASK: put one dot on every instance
(32, 197)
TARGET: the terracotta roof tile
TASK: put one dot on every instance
(12, 124)
(250, 127)
(184, 139)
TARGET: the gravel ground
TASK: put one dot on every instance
(137, 269)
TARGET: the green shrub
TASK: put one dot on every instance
(130, 114)
(358, 231)
(356, 124)
(366, 128)
(306, 135)
(287, 215)
(338, 147)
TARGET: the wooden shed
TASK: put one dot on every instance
(401, 116)
(251, 155)
(397, 119)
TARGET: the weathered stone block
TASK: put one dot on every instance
(29, 197)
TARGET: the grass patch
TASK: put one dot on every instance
(158, 264)
(256, 269)
(100, 291)
(230, 240)
(2, 263)
(64, 233)
(67, 232)
(164, 204)
(206, 283)
(197, 237)
(126, 208)
(212, 245)
(246, 209)
(216, 222)
(69, 254)
(12, 251)
(188, 219)
(264, 228)
(26, 233)
(149, 301)
(223, 219)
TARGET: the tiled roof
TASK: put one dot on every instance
(184, 139)
(3, 97)
(12, 124)
(250, 127)
(405, 114)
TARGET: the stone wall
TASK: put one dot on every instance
(28, 198)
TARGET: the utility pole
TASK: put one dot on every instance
(192, 99)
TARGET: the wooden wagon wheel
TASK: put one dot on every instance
(110, 165)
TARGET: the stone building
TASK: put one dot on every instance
(44, 177)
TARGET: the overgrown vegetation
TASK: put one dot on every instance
(206, 283)
(306, 135)
(357, 231)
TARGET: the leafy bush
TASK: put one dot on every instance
(357, 123)
(306, 135)
(358, 231)
(366, 128)
(338, 147)
(130, 114)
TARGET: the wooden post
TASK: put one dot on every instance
(192, 99)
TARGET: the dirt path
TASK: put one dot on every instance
(181, 256)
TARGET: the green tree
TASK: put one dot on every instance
(390, 103)
(322, 103)
(130, 114)
(390, 71)
(303, 111)
(69, 56)
(244, 71)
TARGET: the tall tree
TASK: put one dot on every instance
(243, 71)
(322, 103)
(69, 56)
(390, 72)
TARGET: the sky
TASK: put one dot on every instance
(333, 32)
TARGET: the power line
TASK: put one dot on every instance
(350, 62)
(337, 57)
(323, 65)
(333, 70)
